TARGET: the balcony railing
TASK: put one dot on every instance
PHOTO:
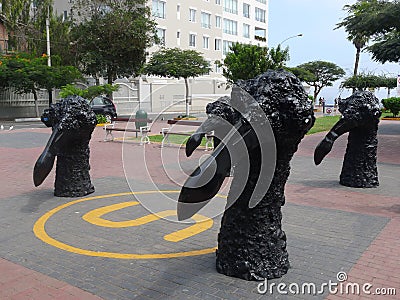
(232, 32)
(231, 10)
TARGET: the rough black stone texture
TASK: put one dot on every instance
(73, 122)
(251, 242)
(361, 115)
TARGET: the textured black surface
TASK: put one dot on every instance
(75, 121)
(361, 115)
(251, 242)
(359, 165)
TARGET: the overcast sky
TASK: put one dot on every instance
(316, 20)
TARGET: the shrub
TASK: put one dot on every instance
(101, 119)
(392, 104)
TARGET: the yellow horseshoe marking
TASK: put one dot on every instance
(40, 232)
(95, 217)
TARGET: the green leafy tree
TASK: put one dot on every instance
(392, 104)
(177, 63)
(89, 93)
(26, 25)
(379, 20)
(246, 61)
(110, 37)
(318, 74)
(26, 74)
(369, 81)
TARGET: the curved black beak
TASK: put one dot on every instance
(45, 162)
(325, 146)
(205, 182)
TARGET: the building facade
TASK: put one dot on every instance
(210, 26)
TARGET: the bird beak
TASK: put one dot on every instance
(325, 146)
(205, 182)
(45, 162)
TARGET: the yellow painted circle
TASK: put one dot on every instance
(40, 232)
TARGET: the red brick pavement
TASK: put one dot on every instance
(18, 283)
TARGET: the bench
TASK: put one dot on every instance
(166, 132)
(143, 130)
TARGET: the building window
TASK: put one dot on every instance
(260, 15)
(161, 36)
(218, 2)
(192, 40)
(246, 10)
(178, 38)
(230, 26)
(158, 8)
(262, 1)
(218, 69)
(178, 12)
(226, 48)
(260, 34)
(231, 6)
(246, 30)
(192, 15)
(205, 20)
(218, 21)
(206, 42)
(217, 44)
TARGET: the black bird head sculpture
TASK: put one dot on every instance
(73, 122)
(360, 117)
(258, 130)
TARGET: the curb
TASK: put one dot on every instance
(26, 120)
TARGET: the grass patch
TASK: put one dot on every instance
(324, 124)
(387, 114)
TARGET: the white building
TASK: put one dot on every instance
(208, 26)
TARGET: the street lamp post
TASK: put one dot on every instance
(290, 37)
(48, 49)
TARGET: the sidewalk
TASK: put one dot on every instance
(105, 246)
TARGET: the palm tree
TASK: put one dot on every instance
(358, 38)
(359, 41)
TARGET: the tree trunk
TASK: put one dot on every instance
(355, 72)
(187, 97)
(50, 97)
(36, 103)
(110, 79)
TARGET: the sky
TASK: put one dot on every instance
(316, 20)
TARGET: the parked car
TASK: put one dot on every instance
(104, 106)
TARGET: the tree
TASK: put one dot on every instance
(371, 81)
(379, 20)
(110, 37)
(177, 63)
(392, 104)
(318, 74)
(359, 39)
(26, 24)
(28, 74)
(89, 93)
(246, 61)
